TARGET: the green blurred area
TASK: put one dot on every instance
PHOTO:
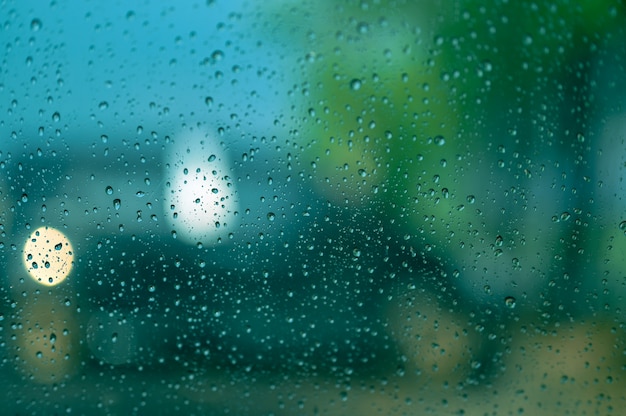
(460, 121)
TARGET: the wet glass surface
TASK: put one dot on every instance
(276, 208)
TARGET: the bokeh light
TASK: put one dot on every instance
(48, 256)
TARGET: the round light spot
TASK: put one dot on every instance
(48, 256)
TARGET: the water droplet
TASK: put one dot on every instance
(271, 216)
(439, 140)
(355, 84)
(58, 246)
(109, 190)
(117, 203)
(103, 105)
(509, 302)
(56, 117)
(622, 226)
(208, 101)
(217, 55)
(140, 194)
(35, 25)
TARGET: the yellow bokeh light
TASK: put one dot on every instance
(48, 256)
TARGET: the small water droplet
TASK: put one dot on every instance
(217, 55)
(509, 302)
(117, 204)
(58, 246)
(109, 190)
(271, 216)
(355, 84)
(35, 25)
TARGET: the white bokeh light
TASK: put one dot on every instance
(200, 196)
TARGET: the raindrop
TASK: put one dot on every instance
(355, 84)
(109, 190)
(117, 203)
(58, 246)
(35, 25)
(622, 226)
(271, 216)
(509, 302)
(217, 55)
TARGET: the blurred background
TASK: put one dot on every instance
(276, 208)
